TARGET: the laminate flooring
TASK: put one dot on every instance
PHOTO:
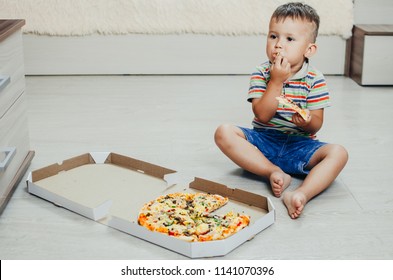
(170, 121)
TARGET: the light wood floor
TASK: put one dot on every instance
(170, 121)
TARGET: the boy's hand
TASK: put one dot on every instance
(313, 122)
(280, 70)
(299, 121)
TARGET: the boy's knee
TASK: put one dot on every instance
(222, 133)
(340, 152)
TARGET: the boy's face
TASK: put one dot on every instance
(292, 38)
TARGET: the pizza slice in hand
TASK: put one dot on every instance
(289, 103)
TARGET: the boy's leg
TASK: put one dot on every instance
(232, 142)
(326, 163)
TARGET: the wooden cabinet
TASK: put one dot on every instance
(371, 60)
(15, 155)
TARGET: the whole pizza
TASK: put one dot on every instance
(190, 216)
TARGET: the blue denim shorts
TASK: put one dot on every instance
(291, 153)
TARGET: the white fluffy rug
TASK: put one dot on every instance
(223, 17)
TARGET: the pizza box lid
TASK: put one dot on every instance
(110, 188)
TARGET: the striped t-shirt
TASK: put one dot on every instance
(307, 88)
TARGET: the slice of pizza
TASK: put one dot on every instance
(217, 227)
(289, 103)
(204, 203)
(167, 214)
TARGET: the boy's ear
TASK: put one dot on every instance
(311, 50)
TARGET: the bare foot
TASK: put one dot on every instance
(279, 181)
(295, 202)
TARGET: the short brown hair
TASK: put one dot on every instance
(297, 10)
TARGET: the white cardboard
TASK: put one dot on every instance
(93, 213)
(105, 210)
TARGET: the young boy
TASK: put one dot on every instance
(281, 141)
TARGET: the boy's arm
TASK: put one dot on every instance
(265, 108)
(313, 124)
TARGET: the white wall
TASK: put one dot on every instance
(373, 11)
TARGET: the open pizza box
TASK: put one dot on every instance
(111, 189)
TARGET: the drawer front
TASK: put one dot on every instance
(377, 60)
(14, 142)
(11, 65)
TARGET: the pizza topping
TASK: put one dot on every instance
(189, 217)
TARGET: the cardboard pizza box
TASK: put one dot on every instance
(110, 188)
